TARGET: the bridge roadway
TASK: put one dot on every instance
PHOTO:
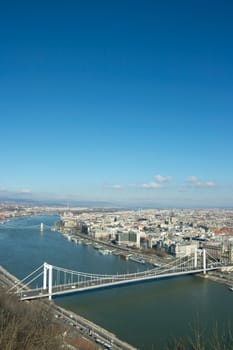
(107, 282)
(83, 326)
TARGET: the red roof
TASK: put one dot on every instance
(224, 231)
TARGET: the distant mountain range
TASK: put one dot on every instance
(60, 203)
(95, 204)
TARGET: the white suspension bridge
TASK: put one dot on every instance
(55, 281)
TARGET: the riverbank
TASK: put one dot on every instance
(219, 277)
(144, 315)
(77, 327)
(91, 331)
(106, 247)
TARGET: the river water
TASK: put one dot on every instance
(148, 315)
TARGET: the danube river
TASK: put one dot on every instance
(148, 315)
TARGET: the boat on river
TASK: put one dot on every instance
(156, 265)
(138, 260)
(124, 256)
(103, 251)
(97, 246)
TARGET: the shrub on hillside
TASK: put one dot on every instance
(27, 326)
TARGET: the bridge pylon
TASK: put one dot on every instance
(204, 261)
(48, 279)
(195, 258)
(45, 275)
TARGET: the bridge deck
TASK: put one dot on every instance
(88, 286)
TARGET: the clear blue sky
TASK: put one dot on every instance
(121, 101)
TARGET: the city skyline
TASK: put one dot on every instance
(122, 102)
